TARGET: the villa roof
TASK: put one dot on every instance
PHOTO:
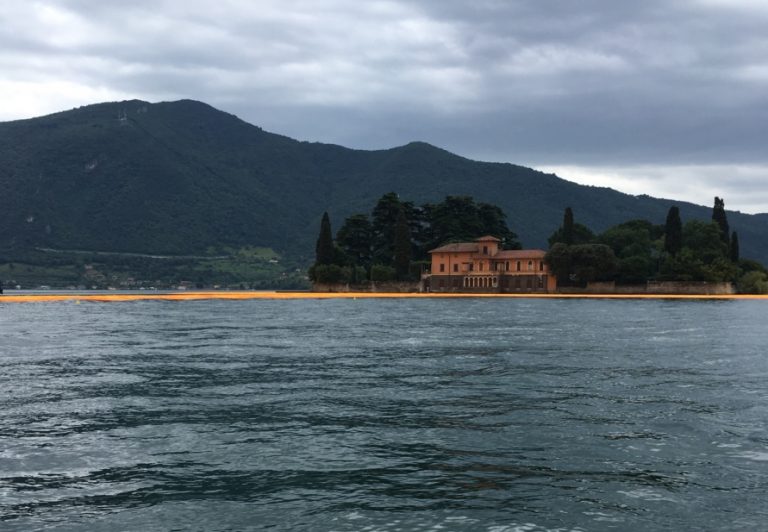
(471, 247)
(457, 247)
(487, 238)
(520, 254)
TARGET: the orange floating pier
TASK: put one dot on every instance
(242, 295)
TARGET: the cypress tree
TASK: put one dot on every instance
(735, 247)
(673, 232)
(719, 217)
(324, 252)
(402, 246)
(568, 226)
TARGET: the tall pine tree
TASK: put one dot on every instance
(354, 238)
(383, 222)
(324, 252)
(719, 217)
(571, 233)
(568, 227)
(402, 247)
(734, 247)
(673, 232)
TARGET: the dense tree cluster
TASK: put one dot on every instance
(393, 243)
(637, 251)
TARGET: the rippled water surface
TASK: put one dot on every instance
(499, 415)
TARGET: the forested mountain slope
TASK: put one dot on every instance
(184, 178)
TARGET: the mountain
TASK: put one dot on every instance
(184, 178)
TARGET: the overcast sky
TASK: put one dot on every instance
(668, 98)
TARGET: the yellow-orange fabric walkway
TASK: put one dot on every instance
(187, 296)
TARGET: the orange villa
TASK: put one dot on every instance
(480, 266)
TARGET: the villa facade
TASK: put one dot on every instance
(480, 266)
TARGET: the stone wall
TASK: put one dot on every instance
(654, 287)
(370, 286)
(678, 287)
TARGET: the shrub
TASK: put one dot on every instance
(379, 272)
(754, 282)
(328, 273)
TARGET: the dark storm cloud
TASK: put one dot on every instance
(585, 85)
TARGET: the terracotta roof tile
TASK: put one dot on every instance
(520, 254)
(457, 247)
(472, 247)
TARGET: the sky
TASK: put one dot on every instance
(666, 98)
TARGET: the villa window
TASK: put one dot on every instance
(485, 250)
(507, 266)
(481, 266)
(519, 267)
(530, 265)
(541, 266)
(455, 267)
(442, 268)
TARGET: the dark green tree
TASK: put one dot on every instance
(559, 259)
(354, 238)
(721, 219)
(459, 218)
(684, 266)
(402, 247)
(703, 257)
(753, 282)
(379, 272)
(673, 231)
(568, 229)
(704, 239)
(324, 250)
(571, 232)
(581, 235)
(634, 244)
(734, 247)
(582, 262)
(453, 219)
(748, 265)
(384, 219)
(593, 262)
(494, 223)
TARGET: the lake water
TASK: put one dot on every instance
(498, 415)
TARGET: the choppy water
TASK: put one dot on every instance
(498, 415)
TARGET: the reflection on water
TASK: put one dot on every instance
(384, 415)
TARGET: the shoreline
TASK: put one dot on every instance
(244, 295)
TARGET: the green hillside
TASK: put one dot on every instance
(185, 178)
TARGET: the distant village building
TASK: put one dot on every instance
(480, 266)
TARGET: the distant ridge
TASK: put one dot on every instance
(185, 178)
